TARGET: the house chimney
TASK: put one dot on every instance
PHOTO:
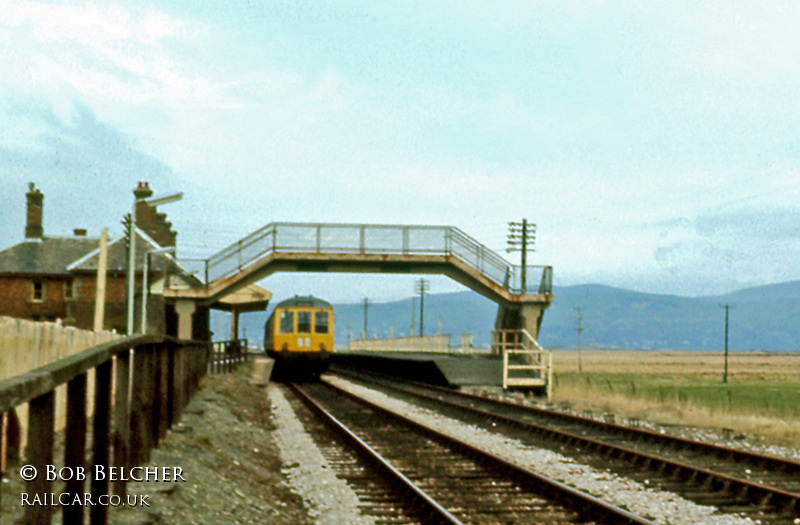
(33, 226)
(142, 191)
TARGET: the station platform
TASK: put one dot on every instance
(447, 370)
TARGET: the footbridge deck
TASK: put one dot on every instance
(370, 248)
(306, 247)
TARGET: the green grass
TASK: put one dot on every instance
(758, 397)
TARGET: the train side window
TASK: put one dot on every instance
(287, 322)
(303, 322)
(321, 322)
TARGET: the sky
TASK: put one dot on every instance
(655, 145)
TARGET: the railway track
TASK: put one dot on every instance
(738, 482)
(441, 479)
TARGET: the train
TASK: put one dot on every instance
(298, 335)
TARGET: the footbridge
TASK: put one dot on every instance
(522, 294)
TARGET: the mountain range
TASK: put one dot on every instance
(760, 318)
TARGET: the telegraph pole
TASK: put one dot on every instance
(579, 329)
(422, 286)
(413, 314)
(726, 307)
(521, 235)
(366, 313)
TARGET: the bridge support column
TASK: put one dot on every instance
(234, 324)
(185, 309)
(527, 316)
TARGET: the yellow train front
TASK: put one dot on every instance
(299, 336)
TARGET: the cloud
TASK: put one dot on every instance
(104, 54)
(747, 247)
(86, 169)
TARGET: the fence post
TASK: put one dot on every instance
(138, 441)
(163, 392)
(75, 445)
(41, 419)
(122, 416)
(102, 426)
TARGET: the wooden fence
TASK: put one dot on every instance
(25, 345)
(142, 383)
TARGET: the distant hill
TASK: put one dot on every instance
(762, 318)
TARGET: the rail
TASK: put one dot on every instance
(226, 356)
(141, 386)
(525, 363)
(368, 239)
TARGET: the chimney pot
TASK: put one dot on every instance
(142, 191)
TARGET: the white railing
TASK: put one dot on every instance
(525, 363)
(418, 344)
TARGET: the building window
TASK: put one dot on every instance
(70, 290)
(37, 291)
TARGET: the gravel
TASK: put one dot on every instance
(224, 444)
(330, 500)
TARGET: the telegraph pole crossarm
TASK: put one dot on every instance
(521, 237)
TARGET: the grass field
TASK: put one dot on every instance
(761, 397)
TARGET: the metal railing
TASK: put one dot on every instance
(226, 356)
(141, 386)
(372, 239)
(525, 362)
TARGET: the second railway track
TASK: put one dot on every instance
(741, 483)
(448, 481)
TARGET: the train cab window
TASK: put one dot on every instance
(287, 322)
(321, 323)
(304, 322)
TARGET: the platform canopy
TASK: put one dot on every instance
(251, 298)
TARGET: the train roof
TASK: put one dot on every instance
(304, 300)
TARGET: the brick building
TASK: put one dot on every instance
(49, 278)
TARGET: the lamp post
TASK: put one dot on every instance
(153, 201)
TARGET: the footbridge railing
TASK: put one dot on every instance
(141, 385)
(371, 239)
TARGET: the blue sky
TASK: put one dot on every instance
(654, 144)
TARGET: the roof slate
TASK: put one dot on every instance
(50, 256)
(55, 255)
